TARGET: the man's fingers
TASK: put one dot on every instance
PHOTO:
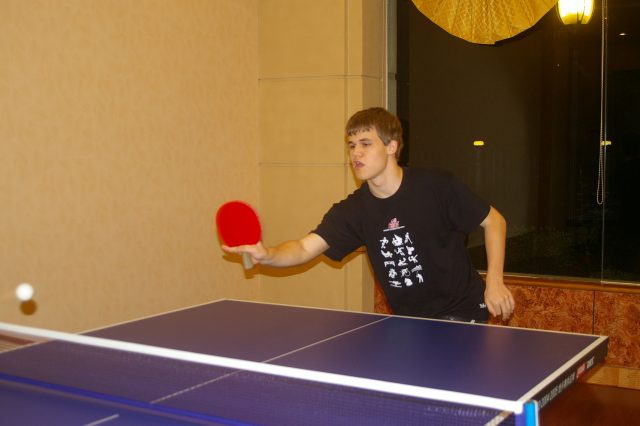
(503, 308)
(508, 307)
(492, 310)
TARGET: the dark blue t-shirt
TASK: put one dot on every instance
(415, 240)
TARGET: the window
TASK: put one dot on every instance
(532, 104)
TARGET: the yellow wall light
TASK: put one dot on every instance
(575, 11)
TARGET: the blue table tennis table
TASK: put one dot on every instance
(454, 368)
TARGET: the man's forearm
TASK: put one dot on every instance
(296, 252)
(289, 253)
(495, 231)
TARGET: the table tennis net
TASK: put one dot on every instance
(130, 384)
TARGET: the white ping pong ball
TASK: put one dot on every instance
(24, 292)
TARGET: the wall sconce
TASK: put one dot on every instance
(575, 11)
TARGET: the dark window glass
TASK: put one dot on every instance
(535, 102)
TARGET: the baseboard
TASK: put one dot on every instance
(622, 377)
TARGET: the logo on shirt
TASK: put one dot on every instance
(399, 257)
(393, 224)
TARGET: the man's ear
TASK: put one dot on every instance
(392, 147)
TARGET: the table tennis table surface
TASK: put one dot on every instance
(63, 383)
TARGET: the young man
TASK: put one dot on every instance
(413, 223)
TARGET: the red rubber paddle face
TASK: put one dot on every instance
(238, 224)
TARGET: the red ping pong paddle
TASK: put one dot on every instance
(238, 224)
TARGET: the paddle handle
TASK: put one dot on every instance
(246, 261)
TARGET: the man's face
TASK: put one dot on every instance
(368, 154)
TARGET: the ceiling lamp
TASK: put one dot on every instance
(575, 11)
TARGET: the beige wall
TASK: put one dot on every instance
(124, 124)
(319, 63)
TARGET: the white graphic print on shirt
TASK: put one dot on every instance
(400, 259)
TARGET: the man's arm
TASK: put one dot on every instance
(497, 296)
(289, 253)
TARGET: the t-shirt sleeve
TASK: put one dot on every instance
(339, 229)
(466, 209)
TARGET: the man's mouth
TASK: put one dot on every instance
(358, 165)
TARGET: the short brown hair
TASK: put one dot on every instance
(387, 125)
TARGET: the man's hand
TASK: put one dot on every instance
(257, 251)
(498, 298)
